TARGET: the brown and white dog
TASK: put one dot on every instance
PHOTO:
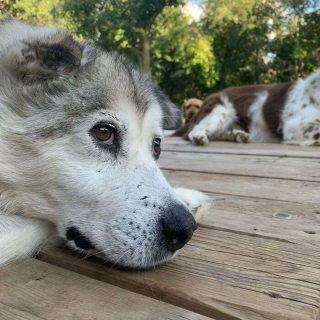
(287, 113)
(190, 108)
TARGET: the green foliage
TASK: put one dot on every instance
(242, 40)
(119, 24)
(263, 41)
(295, 54)
(183, 62)
(223, 12)
(236, 42)
(38, 12)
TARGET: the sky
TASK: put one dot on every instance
(194, 10)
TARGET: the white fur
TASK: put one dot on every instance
(214, 124)
(300, 119)
(301, 115)
(197, 202)
(21, 238)
(63, 178)
(258, 129)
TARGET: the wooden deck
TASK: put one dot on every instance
(256, 256)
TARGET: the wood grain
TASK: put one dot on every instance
(285, 221)
(36, 290)
(225, 276)
(272, 189)
(258, 149)
(256, 256)
(253, 166)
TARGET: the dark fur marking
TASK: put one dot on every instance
(242, 98)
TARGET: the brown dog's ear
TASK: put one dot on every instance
(58, 56)
(183, 109)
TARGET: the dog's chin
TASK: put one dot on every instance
(156, 260)
(149, 262)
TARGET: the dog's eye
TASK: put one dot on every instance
(105, 133)
(157, 148)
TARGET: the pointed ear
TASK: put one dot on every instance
(57, 56)
(171, 115)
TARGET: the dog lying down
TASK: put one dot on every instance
(80, 133)
(285, 112)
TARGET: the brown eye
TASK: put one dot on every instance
(105, 133)
(157, 147)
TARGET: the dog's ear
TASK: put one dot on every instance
(45, 59)
(171, 115)
(183, 109)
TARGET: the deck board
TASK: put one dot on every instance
(259, 188)
(254, 166)
(257, 149)
(37, 290)
(220, 271)
(256, 256)
(282, 220)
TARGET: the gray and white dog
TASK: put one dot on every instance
(80, 133)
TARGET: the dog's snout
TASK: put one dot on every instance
(178, 227)
(79, 239)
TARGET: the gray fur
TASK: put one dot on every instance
(53, 90)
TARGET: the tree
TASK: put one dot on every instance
(183, 62)
(38, 12)
(242, 39)
(295, 53)
(124, 25)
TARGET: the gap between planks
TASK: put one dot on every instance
(36, 290)
(270, 189)
(253, 166)
(254, 149)
(225, 276)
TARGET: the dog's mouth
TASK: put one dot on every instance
(136, 243)
(125, 259)
(81, 241)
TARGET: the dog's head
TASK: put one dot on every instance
(190, 108)
(80, 136)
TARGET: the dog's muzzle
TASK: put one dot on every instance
(175, 229)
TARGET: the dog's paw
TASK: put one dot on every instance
(241, 136)
(199, 138)
(197, 202)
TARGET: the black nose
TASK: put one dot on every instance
(79, 239)
(178, 226)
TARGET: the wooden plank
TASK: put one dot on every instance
(258, 149)
(37, 290)
(9, 313)
(294, 222)
(224, 275)
(272, 189)
(255, 166)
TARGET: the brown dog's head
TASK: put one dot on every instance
(190, 108)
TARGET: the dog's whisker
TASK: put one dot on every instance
(79, 159)
(118, 260)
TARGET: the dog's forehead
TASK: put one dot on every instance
(120, 81)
